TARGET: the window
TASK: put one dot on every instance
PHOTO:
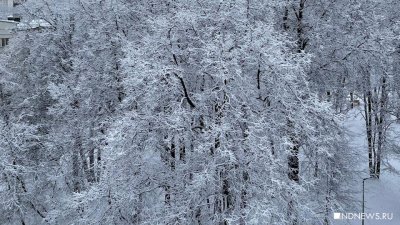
(18, 2)
(14, 18)
(4, 42)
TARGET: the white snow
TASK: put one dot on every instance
(381, 196)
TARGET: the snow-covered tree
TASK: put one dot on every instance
(182, 112)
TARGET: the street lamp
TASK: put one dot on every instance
(363, 199)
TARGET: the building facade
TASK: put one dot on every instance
(8, 20)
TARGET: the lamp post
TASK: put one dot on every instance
(363, 199)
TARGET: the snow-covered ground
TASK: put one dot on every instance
(381, 196)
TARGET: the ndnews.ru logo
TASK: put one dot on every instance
(363, 216)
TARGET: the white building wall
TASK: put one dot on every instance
(6, 27)
(6, 8)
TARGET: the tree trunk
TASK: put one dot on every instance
(293, 172)
(286, 17)
(170, 161)
(91, 173)
(381, 121)
(327, 203)
(76, 165)
(368, 125)
(99, 163)
(91, 176)
(301, 40)
(293, 161)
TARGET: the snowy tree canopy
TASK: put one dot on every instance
(193, 112)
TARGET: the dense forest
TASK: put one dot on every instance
(202, 112)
